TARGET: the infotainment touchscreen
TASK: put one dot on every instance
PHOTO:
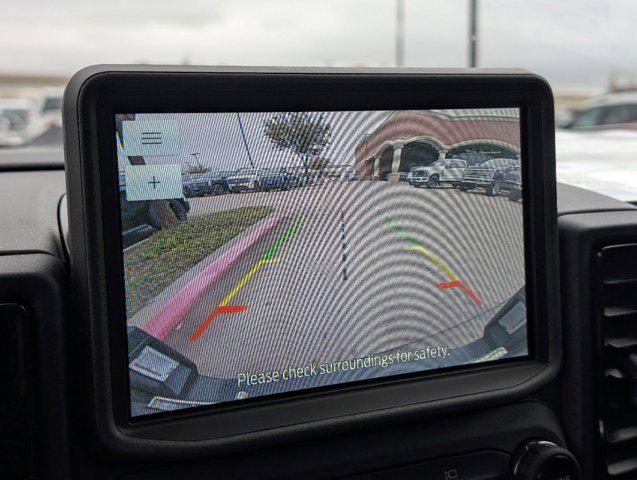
(266, 253)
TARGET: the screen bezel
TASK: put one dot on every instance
(110, 93)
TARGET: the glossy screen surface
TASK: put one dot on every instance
(266, 253)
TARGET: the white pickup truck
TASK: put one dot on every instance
(450, 171)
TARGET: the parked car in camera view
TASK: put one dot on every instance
(513, 183)
(449, 171)
(488, 175)
(246, 179)
(209, 183)
(140, 219)
(394, 177)
(188, 181)
(349, 175)
(279, 178)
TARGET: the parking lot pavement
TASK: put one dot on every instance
(356, 268)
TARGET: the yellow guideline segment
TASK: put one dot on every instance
(245, 280)
(435, 261)
(223, 307)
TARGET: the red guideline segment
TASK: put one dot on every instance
(206, 323)
(461, 286)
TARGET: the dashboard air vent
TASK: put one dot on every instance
(17, 446)
(617, 332)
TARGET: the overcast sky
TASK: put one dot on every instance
(573, 43)
(216, 137)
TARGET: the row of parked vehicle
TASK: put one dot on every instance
(245, 179)
(24, 119)
(252, 180)
(494, 176)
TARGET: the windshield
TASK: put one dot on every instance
(587, 55)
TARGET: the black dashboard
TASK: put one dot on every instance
(35, 296)
(586, 411)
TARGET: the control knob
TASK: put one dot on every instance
(544, 460)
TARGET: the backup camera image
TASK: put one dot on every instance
(274, 252)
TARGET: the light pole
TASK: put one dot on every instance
(473, 33)
(245, 142)
(400, 33)
(195, 157)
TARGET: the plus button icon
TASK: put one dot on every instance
(154, 182)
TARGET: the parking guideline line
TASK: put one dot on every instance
(208, 320)
(454, 282)
(246, 278)
(435, 261)
(224, 306)
(289, 233)
(416, 245)
(267, 259)
(463, 287)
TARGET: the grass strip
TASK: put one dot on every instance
(152, 265)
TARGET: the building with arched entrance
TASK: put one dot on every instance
(407, 139)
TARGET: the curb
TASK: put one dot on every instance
(170, 314)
